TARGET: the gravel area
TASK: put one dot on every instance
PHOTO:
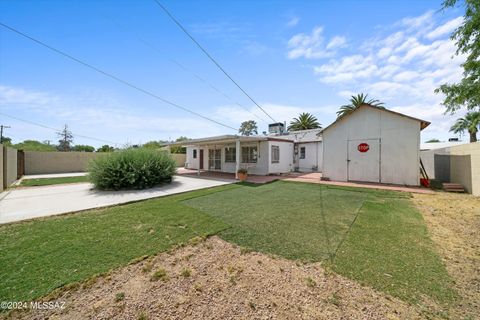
(217, 280)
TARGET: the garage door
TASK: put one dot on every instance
(364, 160)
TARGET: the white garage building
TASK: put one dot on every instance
(373, 145)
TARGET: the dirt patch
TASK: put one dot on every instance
(453, 221)
(217, 280)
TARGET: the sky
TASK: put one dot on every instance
(290, 56)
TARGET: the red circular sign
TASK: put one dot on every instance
(363, 147)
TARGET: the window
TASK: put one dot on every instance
(249, 154)
(194, 153)
(230, 154)
(302, 153)
(275, 154)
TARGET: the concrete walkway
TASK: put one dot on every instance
(33, 202)
(54, 175)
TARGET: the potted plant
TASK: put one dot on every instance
(242, 174)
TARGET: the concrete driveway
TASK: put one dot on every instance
(33, 202)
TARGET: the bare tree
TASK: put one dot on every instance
(66, 139)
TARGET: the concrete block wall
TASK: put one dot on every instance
(1, 168)
(8, 166)
(37, 162)
(458, 164)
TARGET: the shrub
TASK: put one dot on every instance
(131, 169)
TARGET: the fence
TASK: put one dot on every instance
(458, 164)
(8, 166)
(37, 162)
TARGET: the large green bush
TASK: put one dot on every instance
(131, 169)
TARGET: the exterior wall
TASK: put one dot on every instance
(9, 166)
(180, 158)
(400, 142)
(37, 162)
(286, 157)
(313, 157)
(458, 164)
(1, 168)
(260, 168)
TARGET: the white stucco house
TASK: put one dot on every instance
(261, 155)
(373, 145)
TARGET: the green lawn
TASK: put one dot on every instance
(39, 256)
(50, 181)
(375, 237)
(386, 246)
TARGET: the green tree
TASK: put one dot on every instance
(432, 141)
(357, 101)
(304, 121)
(153, 144)
(105, 148)
(83, 148)
(465, 93)
(66, 139)
(6, 141)
(247, 128)
(179, 148)
(471, 123)
(33, 145)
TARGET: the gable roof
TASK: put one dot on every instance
(423, 123)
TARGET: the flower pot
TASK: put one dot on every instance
(242, 176)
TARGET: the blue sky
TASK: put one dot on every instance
(291, 56)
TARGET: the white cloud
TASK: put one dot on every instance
(446, 28)
(337, 42)
(401, 68)
(311, 46)
(293, 21)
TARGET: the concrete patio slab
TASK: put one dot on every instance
(34, 202)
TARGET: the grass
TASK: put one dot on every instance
(286, 218)
(376, 237)
(40, 256)
(51, 181)
(389, 249)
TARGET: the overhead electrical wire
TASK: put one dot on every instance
(114, 77)
(209, 56)
(55, 129)
(185, 69)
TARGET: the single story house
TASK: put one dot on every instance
(373, 144)
(261, 155)
(307, 149)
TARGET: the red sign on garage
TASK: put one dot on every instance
(363, 147)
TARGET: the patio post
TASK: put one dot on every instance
(237, 156)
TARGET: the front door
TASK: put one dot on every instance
(200, 166)
(214, 159)
(364, 160)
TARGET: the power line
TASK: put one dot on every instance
(55, 129)
(209, 56)
(114, 77)
(187, 70)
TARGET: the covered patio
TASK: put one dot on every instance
(227, 177)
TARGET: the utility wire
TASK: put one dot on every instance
(209, 56)
(55, 129)
(187, 70)
(114, 77)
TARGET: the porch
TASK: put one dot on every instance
(225, 176)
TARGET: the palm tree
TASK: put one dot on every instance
(471, 123)
(357, 101)
(304, 121)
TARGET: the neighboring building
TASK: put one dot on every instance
(373, 145)
(261, 155)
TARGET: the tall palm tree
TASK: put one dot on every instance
(304, 121)
(471, 123)
(357, 101)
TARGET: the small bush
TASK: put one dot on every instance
(131, 169)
